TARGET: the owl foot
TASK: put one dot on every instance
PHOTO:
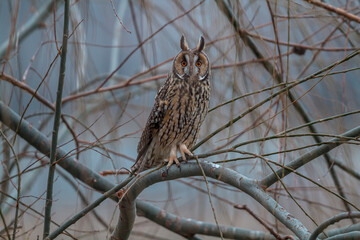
(172, 158)
(183, 150)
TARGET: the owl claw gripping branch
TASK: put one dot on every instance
(180, 108)
(173, 156)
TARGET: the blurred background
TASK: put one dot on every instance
(126, 47)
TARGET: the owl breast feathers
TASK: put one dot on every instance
(179, 110)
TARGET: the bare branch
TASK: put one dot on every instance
(113, 7)
(307, 157)
(339, 231)
(332, 220)
(145, 40)
(30, 25)
(52, 167)
(336, 10)
(87, 209)
(42, 144)
(226, 175)
(188, 227)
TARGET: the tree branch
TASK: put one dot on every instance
(346, 236)
(336, 10)
(52, 167)
(30, 25)
(39, 141)
(273, 72)
(42, 144)
(188, 227)
(87, 209)
(248, 185)
(332, 220)
(307, 157)
(339, 231)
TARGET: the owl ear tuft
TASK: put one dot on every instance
(183, 44)
(201, 44)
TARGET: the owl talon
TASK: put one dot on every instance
(171, 161)
(183, 150)
(172, 158)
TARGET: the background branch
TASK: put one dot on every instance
(307, 157)
(336, 10)
(52, 167)
(277, 76)
(30, 25)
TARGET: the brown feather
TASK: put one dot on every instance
(179, 109)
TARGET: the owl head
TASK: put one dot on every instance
(191, 64)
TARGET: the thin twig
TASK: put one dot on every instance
(189, 227)
(232, 204)
(261, 221)
(12, 37)
(81, 195)
(272, 71)
(88, 208)
(274, 86)
(210, 200)
(347, 169)
(6, 228)
(30, 25)
(143, 42)
(113, 7)
(307, 157)
(290, 86)
(302, 176)
(18, 185)
(52, 167)
(336, 10)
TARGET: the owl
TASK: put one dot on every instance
(179, 110)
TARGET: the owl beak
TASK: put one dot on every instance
(179, 75)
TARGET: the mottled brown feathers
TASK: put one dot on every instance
(178, 112)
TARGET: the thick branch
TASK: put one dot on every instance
(249, 186)
(332, 220)
(188, 227)
(42, 144)
(346, 236)
(338, 231)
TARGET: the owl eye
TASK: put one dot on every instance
(198, 63)
(183, 63)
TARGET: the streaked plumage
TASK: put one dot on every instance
(179, 110)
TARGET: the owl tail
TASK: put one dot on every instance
(143, 160)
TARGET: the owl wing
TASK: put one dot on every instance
(155, 120)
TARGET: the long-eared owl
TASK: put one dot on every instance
(179, 110)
